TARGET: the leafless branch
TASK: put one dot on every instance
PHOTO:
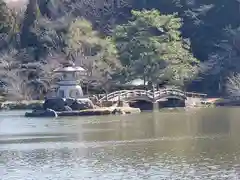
(17, 88)
(233, 86)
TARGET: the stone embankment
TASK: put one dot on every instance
(56, 107)
(20, 105)
(87, 112)
(193, 102)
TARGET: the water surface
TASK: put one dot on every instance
(196, 144)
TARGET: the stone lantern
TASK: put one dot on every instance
(69, 86)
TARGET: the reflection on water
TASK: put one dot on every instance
(197, 144)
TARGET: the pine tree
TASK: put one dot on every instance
(152, 47)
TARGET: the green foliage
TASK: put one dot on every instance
(82, 39)
(151, 46)
(97, 54)
(116, 43)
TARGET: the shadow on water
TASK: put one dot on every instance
(194, 144)
(148, 105)
(146, 126)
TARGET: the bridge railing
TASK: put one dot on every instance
(114, 96)
(196, 95)
(126, 94)
(133, 93)
(176, 92)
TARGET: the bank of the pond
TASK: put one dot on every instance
(87, 112)
(35, 104)
(227, 102)
(21, 105)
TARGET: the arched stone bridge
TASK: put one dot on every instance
(136, 95)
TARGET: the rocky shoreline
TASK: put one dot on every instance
(86, 108)
(87, 112)
(21, 105)
(38, 104)
(60, 108)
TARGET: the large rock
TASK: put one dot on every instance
(59, 104)
(82, 104)
(69, 101)
(118, 111)
(67, 108)
(42, 113)
(56, 104)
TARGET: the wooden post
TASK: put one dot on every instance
(155, 103)
(119, 100)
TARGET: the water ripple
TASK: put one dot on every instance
(176, 146)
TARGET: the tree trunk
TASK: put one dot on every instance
(220, 85)
(87, 88)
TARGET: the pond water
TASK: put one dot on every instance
(194, 144)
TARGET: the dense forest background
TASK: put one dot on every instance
(194, 44)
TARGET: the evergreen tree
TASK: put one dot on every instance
(97, 54)
(151, 46)
(28, 37)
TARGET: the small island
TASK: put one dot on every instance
(69, 99)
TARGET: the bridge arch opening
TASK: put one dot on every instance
(146, 105)
(172, 102)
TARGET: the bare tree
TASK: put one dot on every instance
(17, 88)
(13, 85)
(29, 79)
(47, 79)
(233, 86)
(7, 60)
